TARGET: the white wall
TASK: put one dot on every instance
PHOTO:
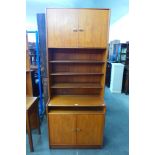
(120, 30)
(31, 27)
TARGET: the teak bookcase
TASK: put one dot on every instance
(77, 42)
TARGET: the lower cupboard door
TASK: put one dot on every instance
(62, 129)
(90, 129)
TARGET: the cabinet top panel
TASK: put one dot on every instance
(77, 100)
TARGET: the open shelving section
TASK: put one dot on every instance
(76, 71)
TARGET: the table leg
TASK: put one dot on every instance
(29, 131)
(38, 120)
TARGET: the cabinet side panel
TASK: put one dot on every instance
(105, 55)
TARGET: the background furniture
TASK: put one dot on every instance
(125, 86)
(77, 42)
(120, 54)
(29, 91)
(112, 53)
(108, 74)
(116, 77)
(43, 57)
(38, 69)
(32, 114)
(31, 108)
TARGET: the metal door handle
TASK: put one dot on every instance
(74, 30)
(78, 129)
(81, 30)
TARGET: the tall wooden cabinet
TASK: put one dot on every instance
(77, 42)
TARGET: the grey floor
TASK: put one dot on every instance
(116, 138)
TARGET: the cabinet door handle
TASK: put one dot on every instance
(78, 129)
(74, 30)
(81, 30)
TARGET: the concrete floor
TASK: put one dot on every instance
(116, 138)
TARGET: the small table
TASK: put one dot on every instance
(31, 107)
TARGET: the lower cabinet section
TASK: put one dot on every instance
(75, 130)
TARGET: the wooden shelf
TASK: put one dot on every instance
(53, 111)
(77, 61)
(76, 100)
(71, 73)
(76, 85)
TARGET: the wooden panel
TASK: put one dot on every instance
(77, 54)
(89, 129)
(32, 108)
(76, 146)
(29, 91)
(81, 68)
(78, 111)
(77, 62)
(79, 91)
(77, 78)
(75, 73)
(103, 77)
(34, 118)
(78, 100)
(61, 27)
(62, 129)
(93, 28)
(76, 85)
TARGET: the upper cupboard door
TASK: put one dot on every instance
(93, 28)
(62, 25)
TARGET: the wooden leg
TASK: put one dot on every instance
(29, 131)
(38, 120)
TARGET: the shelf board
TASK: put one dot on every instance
(71, 73)
(76, 100)
(77, 61)
(53, 111)
(76, 85)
